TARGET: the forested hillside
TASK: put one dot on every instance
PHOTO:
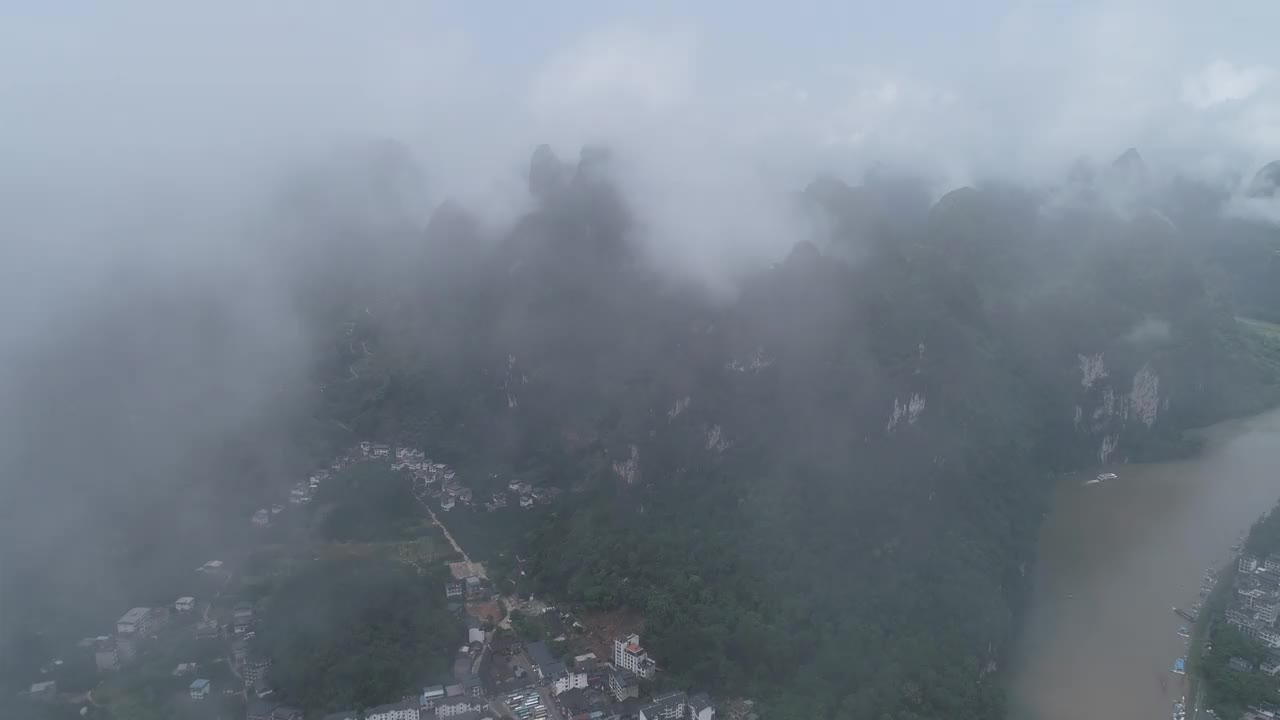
(352, 633)
(824, 491)
(821, 489)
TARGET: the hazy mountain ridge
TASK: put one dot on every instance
(888, 402)
(823, 489)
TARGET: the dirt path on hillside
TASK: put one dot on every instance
(472, 568)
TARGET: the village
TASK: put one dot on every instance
(432, 480)
(520, 658)
(1249, 604)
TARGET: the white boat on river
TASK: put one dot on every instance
(1101, 478)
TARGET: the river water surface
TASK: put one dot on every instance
(1100, 636)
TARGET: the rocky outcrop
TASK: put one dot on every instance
(908, 412)
(628, 469)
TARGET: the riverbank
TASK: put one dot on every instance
(1239, 663)
(1210, 610)
(1098, 638)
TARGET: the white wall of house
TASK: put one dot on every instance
(410, 714)
(452, 707)
(570, 681)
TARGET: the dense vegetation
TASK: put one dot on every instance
(1228, 690)
(351, 634)
(367, 502)
(824, 491)
(821, 489)
(1264, 535)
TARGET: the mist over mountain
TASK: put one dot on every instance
(801, 344)
(890, 399)
(852, 448)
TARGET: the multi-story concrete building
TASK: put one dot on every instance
(700, 707)
(628, 655)
(671, 706)
(106, 657)
(1251, 597)
(1271, 665)
(1268, 636)
(136, 621)
(457, 705)
(477, 588)
(103, 649)
(623, 684)
(454, 589)
(1247, 564)
(403, 710)
(127, 647)
(1267, 609)
(1238, 617)
(255, 671)
(242, 617)
(563, 680)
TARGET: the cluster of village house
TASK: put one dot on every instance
(586, 689)
(141, 624)
(430, 479)
(539, 685)
(589, 689)
(440, 482)
(1254, 607)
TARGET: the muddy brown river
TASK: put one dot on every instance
(1100, 636)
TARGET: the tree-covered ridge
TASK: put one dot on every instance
(367, 502)
(350, 634)
(824, 491)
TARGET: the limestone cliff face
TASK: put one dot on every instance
(1109, 409)
(1112, 408)
(907, 412)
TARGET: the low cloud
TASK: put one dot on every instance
(1151, 331)
(1221, 82)
(615, 81)
(1266, 210)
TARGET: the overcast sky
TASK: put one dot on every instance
(980, 86)
(713, 102)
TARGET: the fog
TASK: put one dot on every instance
(154, 248)
(220, 98)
